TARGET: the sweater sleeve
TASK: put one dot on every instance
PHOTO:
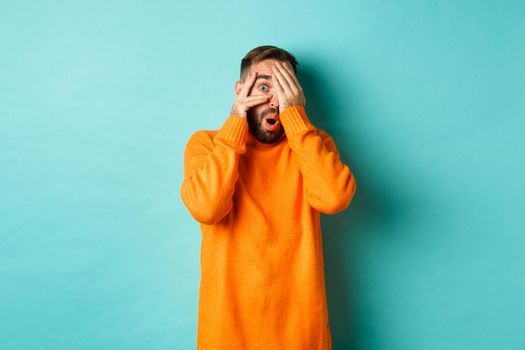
(330, 185)
(211, 170)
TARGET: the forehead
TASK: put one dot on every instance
(264, 66)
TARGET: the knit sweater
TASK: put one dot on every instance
(262, 280)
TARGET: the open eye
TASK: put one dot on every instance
(263, 88)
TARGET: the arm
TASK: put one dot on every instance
(210, 170)
(330, 185)
(211, 164)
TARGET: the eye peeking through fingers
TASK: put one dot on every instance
(263, 88)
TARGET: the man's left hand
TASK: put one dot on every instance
(289, 91)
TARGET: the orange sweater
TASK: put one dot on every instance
(262, 279)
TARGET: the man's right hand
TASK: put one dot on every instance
(243, 102)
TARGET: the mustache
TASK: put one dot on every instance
(269, 111)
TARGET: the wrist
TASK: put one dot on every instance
(238, 114)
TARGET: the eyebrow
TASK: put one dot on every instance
(263, 76)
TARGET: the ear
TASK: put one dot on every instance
(238, 87)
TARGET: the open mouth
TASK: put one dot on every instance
(271, 123)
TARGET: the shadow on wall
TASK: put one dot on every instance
(351, 313)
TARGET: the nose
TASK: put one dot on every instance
(274, 101)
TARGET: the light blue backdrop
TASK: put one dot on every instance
(424, 99)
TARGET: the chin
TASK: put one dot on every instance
(265, 137)
(257, 129)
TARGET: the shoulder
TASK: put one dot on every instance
(322, 133)
(324, 136)
(202, 136)
(327, 140)
(200, 140)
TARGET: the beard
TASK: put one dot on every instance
(257, 129)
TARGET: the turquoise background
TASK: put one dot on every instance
(424, 99)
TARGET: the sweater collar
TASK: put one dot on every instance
(252, 141)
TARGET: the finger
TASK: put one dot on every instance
(255, 97)
(247, 85)
(255, 102)
(289, 68)
(280, 91)
(286, 74)
(282, 81)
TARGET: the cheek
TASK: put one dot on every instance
(258, 109)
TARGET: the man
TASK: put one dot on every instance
(257, 186)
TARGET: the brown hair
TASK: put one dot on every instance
(266, 52)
